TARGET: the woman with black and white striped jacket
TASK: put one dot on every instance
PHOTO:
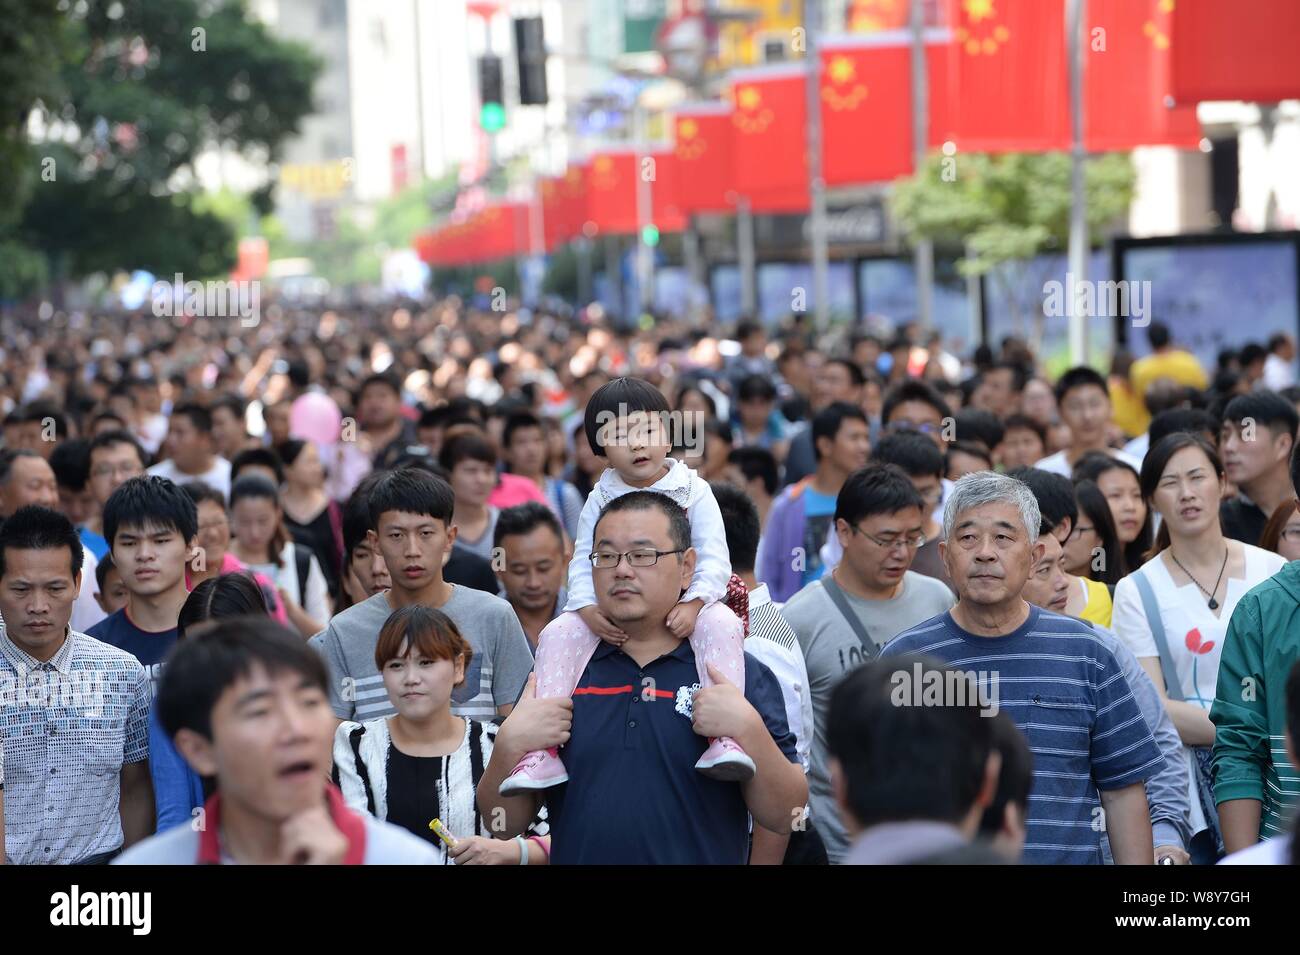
(425, 763)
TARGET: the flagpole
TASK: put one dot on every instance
(1076, 13)
(923, 251)
(816, 184)
(747, 258)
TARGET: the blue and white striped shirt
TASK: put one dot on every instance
(1063, 688)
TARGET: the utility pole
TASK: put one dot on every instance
(816, 184)
(923, 253)
(1076, 13)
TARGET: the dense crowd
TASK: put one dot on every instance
(390, 585)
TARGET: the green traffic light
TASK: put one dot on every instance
(492, 117)
(650, 235)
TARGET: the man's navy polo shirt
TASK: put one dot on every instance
(634, 795)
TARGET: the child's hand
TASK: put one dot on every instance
(681, 619)
(602, 626)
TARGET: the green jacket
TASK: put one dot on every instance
(1249, 712)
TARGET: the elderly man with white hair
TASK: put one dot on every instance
(1092, 749)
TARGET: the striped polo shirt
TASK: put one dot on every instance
(1065, 691)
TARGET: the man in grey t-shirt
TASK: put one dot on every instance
(878, 521)
(410, 517)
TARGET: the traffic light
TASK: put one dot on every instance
(650, 235)
(530, 54)
(491, 92)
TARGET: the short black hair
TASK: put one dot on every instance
(70, 460)
(756, 388)
(200, 491)
(1251, 353)
(740, 518)
(7, 458)
(524, 519)
(257, 457)
(1054, 492)
(40, 528)
(199, 416)
(1191, 420)
(517, 421)
(1079, 377)
(757, 463)
(912, 451)
(467, 447)
(876, 489)
(1158, 334)
(235, 594)
(103, 569)
(855, 372)
(913, 390)
(356, 513)
(679, 525)
(199, 671)
(412, 491)
(618, 397)
(902, 762)
(232, 403)
(1015, 778)
(289, 449)
(1295, 471)
(975, 424)
(827, 422)
(37, 411)
(975, 449)
(1266, 408)
(112, 438)
(387, 379)
(1019, 376)
(1024, 422)
(149, 500)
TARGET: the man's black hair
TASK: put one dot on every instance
(524, 519)
(1191, 420)
(907, 762)
(856, 377)
(200, 670)
(7, 458)
(912, 451)
(356, 514)
(1266, 408)
(618, 397)
(876, 489)
(37, 412)
(70, 461)
(747, 327)
(102, 570)
(1015, 778)
(1251, 353)
(679, 525)
(1078, 378)
(150, 501)
(983, 427)
(913, 390)
(1158, 334)
(40, 528)
(740, 518)
(1019, 375)
(756, 388)
(826, 423)
(411, 491)
(757, 463)
(975, 449)
(260, 457)
(1021, 421)
(517, 421)
(199, 416)
(1055, 494)
(113, 438)
(466, 447)
(387, 379)
(232, 403)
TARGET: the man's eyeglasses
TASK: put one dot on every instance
(889, 543)
(645, 557)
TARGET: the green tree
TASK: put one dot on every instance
(1001, 211)
(142, 88)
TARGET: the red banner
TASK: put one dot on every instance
(769, 158)
(1245, 50)
(702, 135)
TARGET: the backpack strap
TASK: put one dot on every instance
(302, 558)
(836, 593)
(1152, 610)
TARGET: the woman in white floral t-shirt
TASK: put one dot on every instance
(1194, 580)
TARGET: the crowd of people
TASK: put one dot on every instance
(390, 585)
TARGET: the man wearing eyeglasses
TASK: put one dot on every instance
(871, 596)
(114, 457)
(637, 723)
